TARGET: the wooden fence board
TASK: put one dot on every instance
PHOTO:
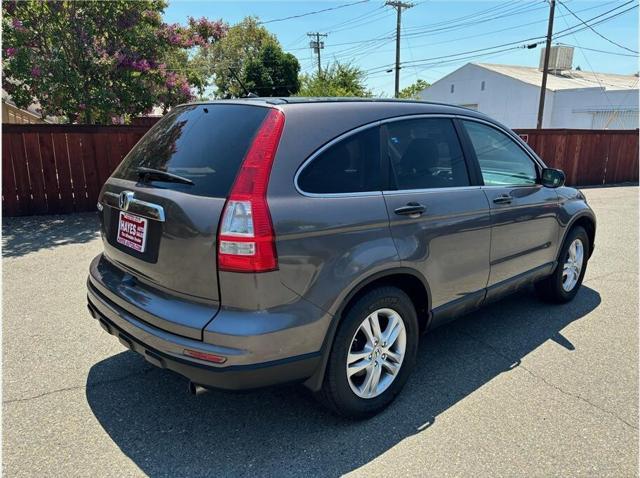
(102, 150)
(47, 157)
(63, 169)
(78, 184)
(34, 166)
(10, 206)
(89, 163)
(23, 188)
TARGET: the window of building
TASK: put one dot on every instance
(452, 88)
(482, 86)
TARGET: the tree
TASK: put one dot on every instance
(242, 43)
(339, 79)
(94, 61)
(413, 91)
(272, 72)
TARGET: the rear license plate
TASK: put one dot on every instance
(132, 231)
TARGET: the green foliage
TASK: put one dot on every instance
(94, 61)
(272, 72)
(339, 79)
(413, 91)
(242, 43)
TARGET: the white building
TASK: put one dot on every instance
(510, 94)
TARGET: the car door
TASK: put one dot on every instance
(438, 213)
(524, 214)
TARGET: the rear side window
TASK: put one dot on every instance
(204, 143)
(425, 154)
(502, 161)
(349, 166)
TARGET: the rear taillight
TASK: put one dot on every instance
(246, 242)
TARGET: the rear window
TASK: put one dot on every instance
(203, 143)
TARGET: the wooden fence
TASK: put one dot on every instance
(50, 169)
(588, 157)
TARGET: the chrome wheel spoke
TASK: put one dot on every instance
(392, 334)
(375, 326)
(392, 367)
(356, 356)
(370, 384)
(358, 367)
(397, 358)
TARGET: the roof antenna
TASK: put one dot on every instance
(247, 93)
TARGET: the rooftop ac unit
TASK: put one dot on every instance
(560, 58)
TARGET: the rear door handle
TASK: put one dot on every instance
(503, 199)
(411, 209)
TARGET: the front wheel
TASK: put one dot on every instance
(562, 286)
(372, 355)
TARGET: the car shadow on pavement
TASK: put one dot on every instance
(22, 235)
(283, 431)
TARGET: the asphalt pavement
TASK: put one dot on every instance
(520, 388)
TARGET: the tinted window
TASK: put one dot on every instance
(426, 153)
(349, 166)
(204, 143)
(502, 161)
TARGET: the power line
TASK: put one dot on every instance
(594, 30)
(599, 51)
(599, 21)
(363, 47)
(523, 43)
(313, 13)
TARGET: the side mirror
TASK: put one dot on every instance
(553, 178)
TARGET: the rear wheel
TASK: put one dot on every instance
(372, 355)
(562, 286)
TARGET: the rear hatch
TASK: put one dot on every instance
(161, 228)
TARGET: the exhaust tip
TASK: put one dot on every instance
(195, 389)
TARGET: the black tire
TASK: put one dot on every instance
(336, 393)
(550, 289)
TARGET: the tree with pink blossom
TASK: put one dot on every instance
(90, 62)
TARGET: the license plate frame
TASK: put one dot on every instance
(132, 231)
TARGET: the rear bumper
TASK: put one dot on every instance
(242, 368)
(236, 377)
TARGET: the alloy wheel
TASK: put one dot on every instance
(376, 353)
(573, 265)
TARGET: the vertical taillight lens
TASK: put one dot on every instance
(246, 242)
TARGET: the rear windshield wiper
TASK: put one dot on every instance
(159, 175)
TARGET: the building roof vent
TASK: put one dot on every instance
(560, 59)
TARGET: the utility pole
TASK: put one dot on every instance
(398, 5)
(545, 70)
(317, 45)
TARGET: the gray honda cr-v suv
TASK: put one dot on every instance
(261, 241)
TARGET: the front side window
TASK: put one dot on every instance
(425, 154)
(502, 161)
(349, 166)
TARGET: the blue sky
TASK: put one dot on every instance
(434, 32)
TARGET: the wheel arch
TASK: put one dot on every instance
(588, 222)
(412, 282)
